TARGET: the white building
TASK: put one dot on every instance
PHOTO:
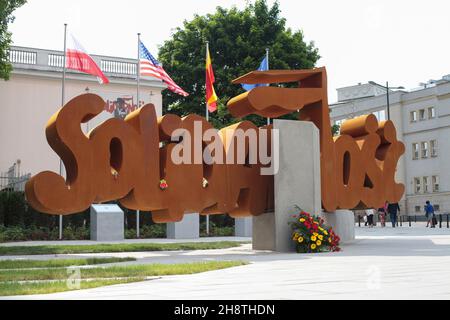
(422, 119)
(33, 94)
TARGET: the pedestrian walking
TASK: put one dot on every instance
(382, 215)
(393, 209)
(429, 213)
(369, 214)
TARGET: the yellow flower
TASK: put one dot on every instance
(313, 246)
(315, 234)
(296, 235)
(300, 239)
(319, 243)
(325, 232)
(302, 220)
(313, 238)
(320, 237)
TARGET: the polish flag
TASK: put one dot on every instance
(78, 59)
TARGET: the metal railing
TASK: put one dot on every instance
(14, 183)
(12, 180)
(443, 219)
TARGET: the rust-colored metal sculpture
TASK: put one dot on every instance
(124, 160)
(357, 167)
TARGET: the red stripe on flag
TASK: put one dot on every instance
(81, 61)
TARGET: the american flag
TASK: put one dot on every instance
(150, 67)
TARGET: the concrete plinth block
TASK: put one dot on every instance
(107, 222)
(297, 182)
(188, 228)
(263, 235)
(342, 222)
(243, 227)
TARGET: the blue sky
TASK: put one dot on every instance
(404, 42)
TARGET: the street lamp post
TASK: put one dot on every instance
(387, 101)
(387, 95)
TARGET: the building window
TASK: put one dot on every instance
(422, 114)
(433, 148)
(415, 151)
(417, 208)
(431, 113)
(424, 146)
(425, 184)
(381, 115)
(435, 181)
(413, 116)
(417, 185)
(436, 207)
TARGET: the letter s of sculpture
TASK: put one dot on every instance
(47, 191)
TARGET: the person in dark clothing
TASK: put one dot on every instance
(429, 213)
(393, 208)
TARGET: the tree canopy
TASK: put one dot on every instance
(237, 40)
(7, 7)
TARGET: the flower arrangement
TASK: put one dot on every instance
(311, 235)
(163, 184)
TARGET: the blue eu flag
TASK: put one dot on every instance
(264, 66)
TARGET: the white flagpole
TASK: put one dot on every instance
(207, 119)
(138, 70)
(207, 51)
(267, 57)
(63, 98)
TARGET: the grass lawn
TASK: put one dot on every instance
(15, 288)
(57, 263)
(120, 247)
(19, 282)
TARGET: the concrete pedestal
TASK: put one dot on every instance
(243, 227)
(342, 222)
(297, 182)
(188, 228)
(107, 222)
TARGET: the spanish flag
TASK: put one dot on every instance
(211, 97)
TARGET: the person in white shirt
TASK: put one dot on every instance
(370, 213)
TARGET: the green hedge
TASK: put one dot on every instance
(15, 212)
(20, 222)
(33, 233)
(18, 233)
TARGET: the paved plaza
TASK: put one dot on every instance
(402, 263)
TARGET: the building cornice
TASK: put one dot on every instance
(427, 130)
(78, 76)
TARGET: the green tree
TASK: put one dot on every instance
(7, 7)
(335, 129)
(237, 40)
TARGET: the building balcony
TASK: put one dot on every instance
(31, 60)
